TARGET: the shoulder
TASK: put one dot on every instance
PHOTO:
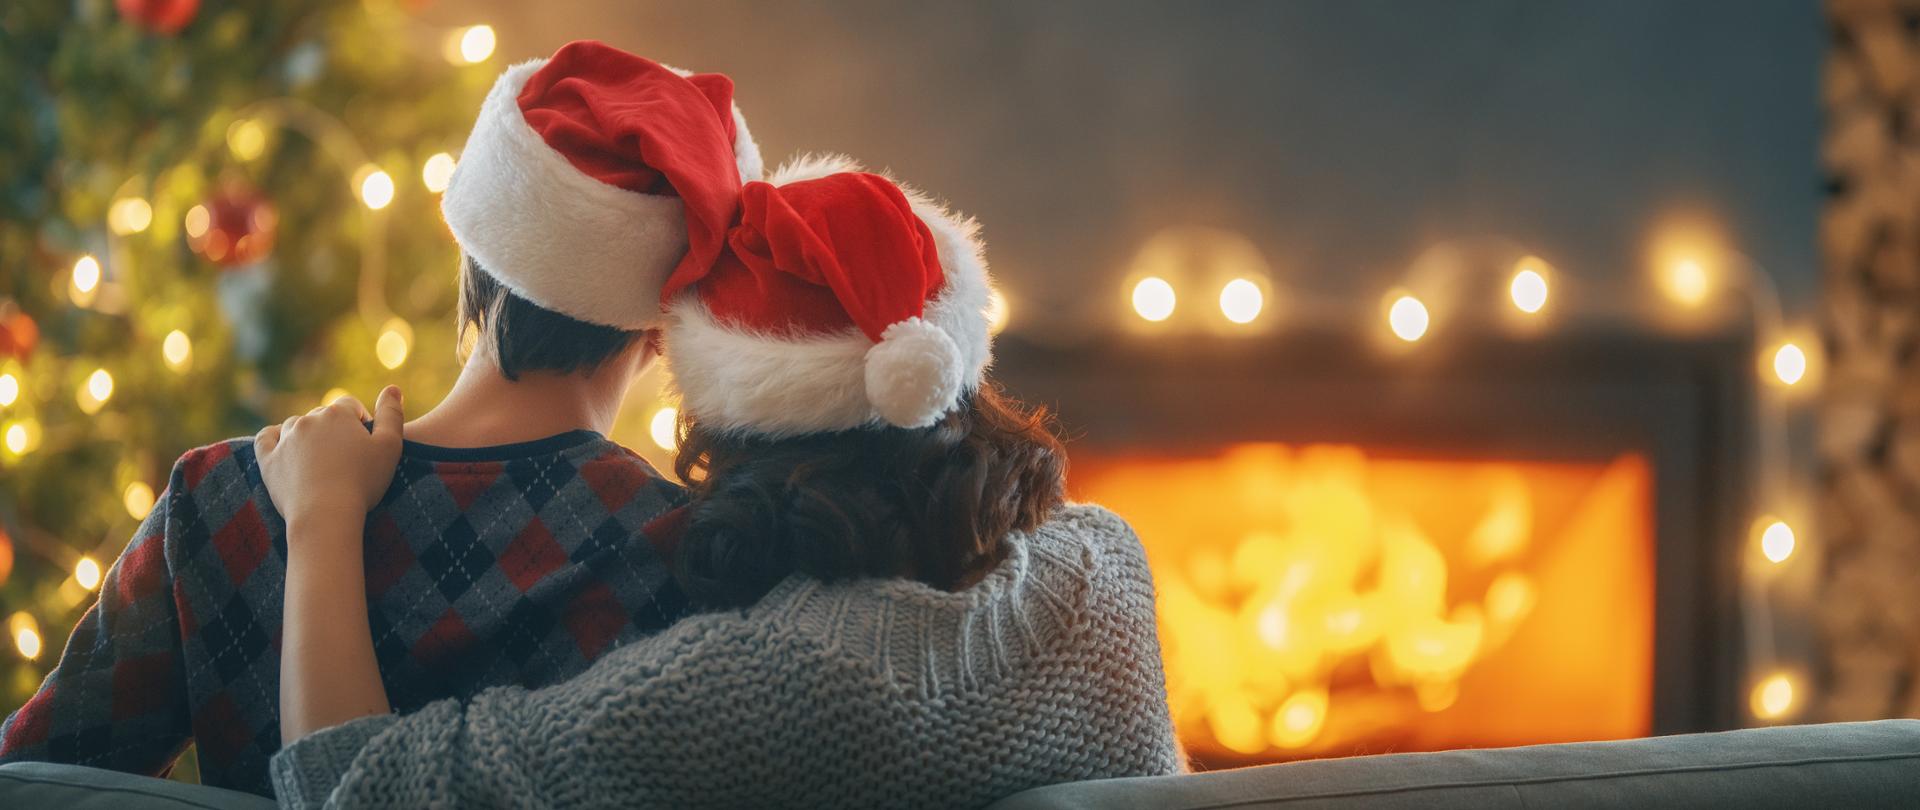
(1109, 542)
(619, 474)
(222, 463)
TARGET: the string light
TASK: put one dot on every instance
(1240, 300)
(138, 499)
(1777, 541)
(1529, 287)
(376, 187)
(1773, 697)
(25, 633)
(1153, 299)
(85, 281)
(1789, 363)
(86, 573)
(129, 215)
(661, 428)
(470, 45)
(95, 392)
(247, 139)
(197, 221)
(1408, 318)
(395, 342)
(9, 390)
(437, 172)
(998, 312)
(21, 436)
(177, 349)
(1686, 282)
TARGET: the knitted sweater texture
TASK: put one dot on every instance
(873, 693)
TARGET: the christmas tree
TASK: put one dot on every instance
(210, 218)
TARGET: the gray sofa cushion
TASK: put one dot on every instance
(1838, 765)
(71, 787)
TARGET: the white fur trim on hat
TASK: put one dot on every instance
(554, 235)
(782, 385)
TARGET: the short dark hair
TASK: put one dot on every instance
(931, 504)
(526, 337)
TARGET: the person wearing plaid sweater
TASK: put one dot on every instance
(518, 564)
(516, 545)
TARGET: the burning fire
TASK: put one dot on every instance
(1333, 588)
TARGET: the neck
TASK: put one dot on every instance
(485, 408)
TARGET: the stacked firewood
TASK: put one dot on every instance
(1869, 600)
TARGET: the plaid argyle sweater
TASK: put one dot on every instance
(519, 564)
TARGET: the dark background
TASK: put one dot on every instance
(1342, 136)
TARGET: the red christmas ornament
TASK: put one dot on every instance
(233, 228)
(18, 333)
(159, 16)
(6, 555)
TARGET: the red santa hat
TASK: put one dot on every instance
(590, 176)
(843, 301)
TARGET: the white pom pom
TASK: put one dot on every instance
(913, 374)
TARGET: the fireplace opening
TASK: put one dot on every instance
(1331, 599)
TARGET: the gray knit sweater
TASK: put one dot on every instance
(877, 693)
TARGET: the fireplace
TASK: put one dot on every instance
(1495, 542)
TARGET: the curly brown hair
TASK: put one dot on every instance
(931, 504)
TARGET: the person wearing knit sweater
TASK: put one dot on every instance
(896, 606)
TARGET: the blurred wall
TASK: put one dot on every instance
(1342, 135)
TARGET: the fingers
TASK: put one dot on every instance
(352, 407)
(267, 439)
(389, 417)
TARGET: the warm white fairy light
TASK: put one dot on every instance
(1153, 299)
(177, 349)
(394, 344)
(247, 139)
(1408, 318)
(1686, 282)
(1529, 286)
(376, 187)
(138, 499)
(661, 427)
(129, 215)
(1789, 363)
(437, 172)
(95, 392)
(25, 633)
(476, 44)
(1773, 697)
(85, 281)
(86, 573)
(1241, 300)
(999, 312)
(19, 436)
(9, 390)
(1777, 541)
(197, 221)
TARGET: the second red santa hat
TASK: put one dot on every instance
(592, 175)
(842, 301)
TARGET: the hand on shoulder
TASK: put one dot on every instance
(327, 463)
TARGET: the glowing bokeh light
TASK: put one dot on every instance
(376, 187)
(138, 499)
(394, 344)
(177, 349)
(437, 172)
(1789, 363)
(129, 215)
(86, 573)
(661, 427)
(1777, 541)
(1241, 300)
(1408, 318)
(1153, 299)
(1529, 286)
(1773, 697)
